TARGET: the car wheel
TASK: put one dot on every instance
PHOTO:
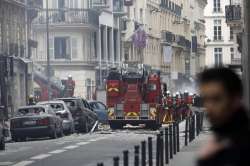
(72, 130)
(83, 127)
(23, 139)
(86, 126)
(54, 134)
(2, 144)
(61, 132)
(14, 138)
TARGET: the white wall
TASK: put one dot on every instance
(85, 50)
(225, 44)
(80, 76)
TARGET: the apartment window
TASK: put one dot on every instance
(74, 4)
(61, 3)
(74, 44)
(141, 15)
(95, 43)
(102, 43)
(109, 30)
(62, 48)
(135, 17)
(231, 33)
(115, 44)
(217, 30)
(218, 56)
(232, 52)
(217, 6)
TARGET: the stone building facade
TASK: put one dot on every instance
(175, 31)
(16, 67)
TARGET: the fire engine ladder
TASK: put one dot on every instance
(42, 80)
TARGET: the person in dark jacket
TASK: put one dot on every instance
(222, 93)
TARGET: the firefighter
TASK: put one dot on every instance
(169, 103)
(177, 106)
(32, 100)
(190, 100)
(70, 86)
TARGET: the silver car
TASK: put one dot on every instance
(61, 110)
(34, 122)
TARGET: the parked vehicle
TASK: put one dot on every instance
(2, 130)
(84, 117)
(101, 110)
(34, 122)
(134, 96)
(61, 110)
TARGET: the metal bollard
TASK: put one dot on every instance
(125, 158)
(193, 127)
(137, 153)
(100, 164)
(158, 149)
(116, 161)
(150, 152)
(198, 124)
(166, 147)
(190, 129)
(174, 137)
(202, 118)
(170, 142)
(161, 149)
(186, 132)
(178, 136)
(143, 153)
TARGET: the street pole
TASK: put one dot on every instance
(246, 51)
(48, 56)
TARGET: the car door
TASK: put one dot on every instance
(56, 119)
(101, 106)
(91, 115)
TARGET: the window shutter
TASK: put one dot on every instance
(68, 48)
(74, 48)
(51, 47)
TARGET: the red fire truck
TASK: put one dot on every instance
(134, 96)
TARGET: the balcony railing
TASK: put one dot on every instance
(100, 4)
(168, 37)
(118, 7)
(68, 17)
(171, 6)
(236, 61)
(233, 13)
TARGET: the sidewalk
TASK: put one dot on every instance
(188, 155)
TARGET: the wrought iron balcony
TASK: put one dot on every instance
(118, 7)
(168, 37)
(69, 16)
(233, 13)
(100, 4)
(236, 61)
(171, 6)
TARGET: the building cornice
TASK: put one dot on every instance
(16, 2)
(218, 44)
(215, 16)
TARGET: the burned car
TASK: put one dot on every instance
(35, 122)
(2, 129)
(84, 117)
(61, 110)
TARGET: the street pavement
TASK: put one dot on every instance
(90, 149)
(74, 150)
(188, 154)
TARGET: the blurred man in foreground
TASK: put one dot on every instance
(222, 93)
